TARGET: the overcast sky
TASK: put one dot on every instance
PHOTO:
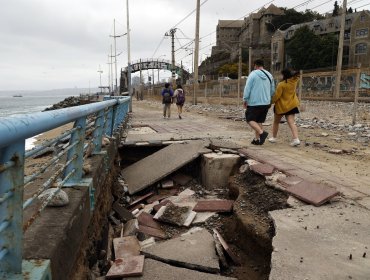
(49, 44)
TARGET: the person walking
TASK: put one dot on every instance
(167, 94)
(258, 91)
(179, 99)
(286, 104)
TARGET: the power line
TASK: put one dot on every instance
(187, 16)
(321, 4)
(362, 6)
(160, 43)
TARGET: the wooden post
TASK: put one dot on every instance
(358, 73)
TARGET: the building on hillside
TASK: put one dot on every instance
(227, 35)
(355, 46)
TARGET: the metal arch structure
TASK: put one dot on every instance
(148, 64)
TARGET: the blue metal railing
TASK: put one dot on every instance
(91, 123)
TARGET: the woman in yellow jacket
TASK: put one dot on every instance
(286, 104)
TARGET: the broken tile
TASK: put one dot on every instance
(132, 266)
(263, 169)
(226, 247)
(131, 227)
(147, 242)
(313, 193)
(126, 247)
(147, 220)
(162, 203)
(202, 217)
(214, 206)
(187, 192)
(157, 197)
(182, 179)
(149, 207)
(141, 198)
(159, 233)
(176, 215)
(166, 184)
(122, 212)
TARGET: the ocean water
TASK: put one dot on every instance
(30, 102)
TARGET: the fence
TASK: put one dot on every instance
(91, 123)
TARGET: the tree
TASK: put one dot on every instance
(310, 51)
(231, 70)
(293, 17)
(350, 10)
(336, 9)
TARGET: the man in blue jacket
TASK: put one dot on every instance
(258, 91)
(167, 94)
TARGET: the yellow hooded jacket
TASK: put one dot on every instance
(285, 97)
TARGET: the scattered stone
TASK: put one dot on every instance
(166, 184)
(158, 233)
(244, 168)
(214, 206)
(60, 197)
(335, 151)
(147, 243)
(122, 212)
(175, 215)
(147, 220)
(226, 247)
(131, 227)
(182, 179)
(141, 198)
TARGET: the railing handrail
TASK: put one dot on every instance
(18, 127)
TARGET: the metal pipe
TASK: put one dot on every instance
(3, 253)
(49, 143)
(6, 196)
(6, 165)
(4, 225)
(15, 128)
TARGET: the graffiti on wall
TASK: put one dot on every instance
(365, 81)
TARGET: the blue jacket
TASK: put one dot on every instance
(258, 89)
(166, 90)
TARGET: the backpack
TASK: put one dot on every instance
(180, 96)
(167, 97)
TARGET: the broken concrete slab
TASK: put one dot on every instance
(138, 180)
(222, 143)
(317, 243)
(126, 247)
(155, 270)
(313, 193)
(181, 179)
(176, 215)
(131, 266)
(194, 251)
(122, 212)
(147, 242)
(202, 217)
(167, 184)
(217, 168)
(162, 203)
(289, 181)
(214, 206)
(226, 247)
(147, 220)
(131, 227)
(158, 233)
(141, 198)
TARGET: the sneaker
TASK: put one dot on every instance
(272, 140)
(255, 142)
(295, 143)
(263, 137)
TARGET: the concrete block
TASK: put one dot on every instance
(126, 247)
(147, 220)
(131, 266)
(158, 233)
(216, 169)
(214, 206)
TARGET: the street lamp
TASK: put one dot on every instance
(100, 72)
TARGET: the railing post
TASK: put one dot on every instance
(11, 211)
(78, 150)
(109, 122)
(115, 117)
(98, 132)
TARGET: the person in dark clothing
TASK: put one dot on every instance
(167, 94)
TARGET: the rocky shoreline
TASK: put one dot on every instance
(68, 102)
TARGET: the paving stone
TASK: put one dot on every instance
(126, 247)
(214, 206)
(313, 193)
(195, 251)
(158, 233)
(289, 181)
(138, 180)
(202, 217)
(122, 212)
(226, 247)
(182, 179)
(263, 169)
(147, 220)
(155, 270)
(131, 266)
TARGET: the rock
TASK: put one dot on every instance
(59, 199)
(105, 141)
(335, 151)
(87, 168)
(244, 168)
(324, 134)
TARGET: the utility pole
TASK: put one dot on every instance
(128, 56)
(109, 72)
(196, 52)
(239, 71)
(111, 65)
(173, 68)
(340, 50)
(100, 72)
(115, 51)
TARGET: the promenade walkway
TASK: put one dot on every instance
(327, 242)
